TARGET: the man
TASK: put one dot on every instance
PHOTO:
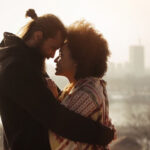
(28, 109)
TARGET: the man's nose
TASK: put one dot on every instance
(53, 54)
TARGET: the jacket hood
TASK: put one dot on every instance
(10, 40)
(13, 49)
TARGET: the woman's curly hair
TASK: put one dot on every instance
(88, 48)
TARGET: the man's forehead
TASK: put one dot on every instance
(63, 43)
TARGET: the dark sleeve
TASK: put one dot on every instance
(26, 88)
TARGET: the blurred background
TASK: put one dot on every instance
(126, 26)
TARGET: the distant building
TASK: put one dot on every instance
(117, 69)
(136, 60)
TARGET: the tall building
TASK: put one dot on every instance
(136, 60)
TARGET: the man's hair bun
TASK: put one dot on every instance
(31, 13)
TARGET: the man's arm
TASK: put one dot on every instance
(26, 88)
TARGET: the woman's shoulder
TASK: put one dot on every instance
(90, 84)
(90, 87)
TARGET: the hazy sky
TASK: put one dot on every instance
(122, 22)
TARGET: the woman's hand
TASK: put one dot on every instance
(52, 86)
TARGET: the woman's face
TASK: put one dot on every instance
(65, 65)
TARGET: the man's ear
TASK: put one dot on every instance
(38, 35)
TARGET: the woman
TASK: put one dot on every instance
(83, 60)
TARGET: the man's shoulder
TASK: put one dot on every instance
(11, 51)
(9, 55)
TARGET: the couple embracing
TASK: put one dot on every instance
(35, 113)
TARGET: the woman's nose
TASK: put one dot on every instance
(56, 59)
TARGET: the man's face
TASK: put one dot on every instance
(49, 46)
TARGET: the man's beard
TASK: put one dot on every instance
(39, 45)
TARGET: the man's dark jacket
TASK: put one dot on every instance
(27, 107)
